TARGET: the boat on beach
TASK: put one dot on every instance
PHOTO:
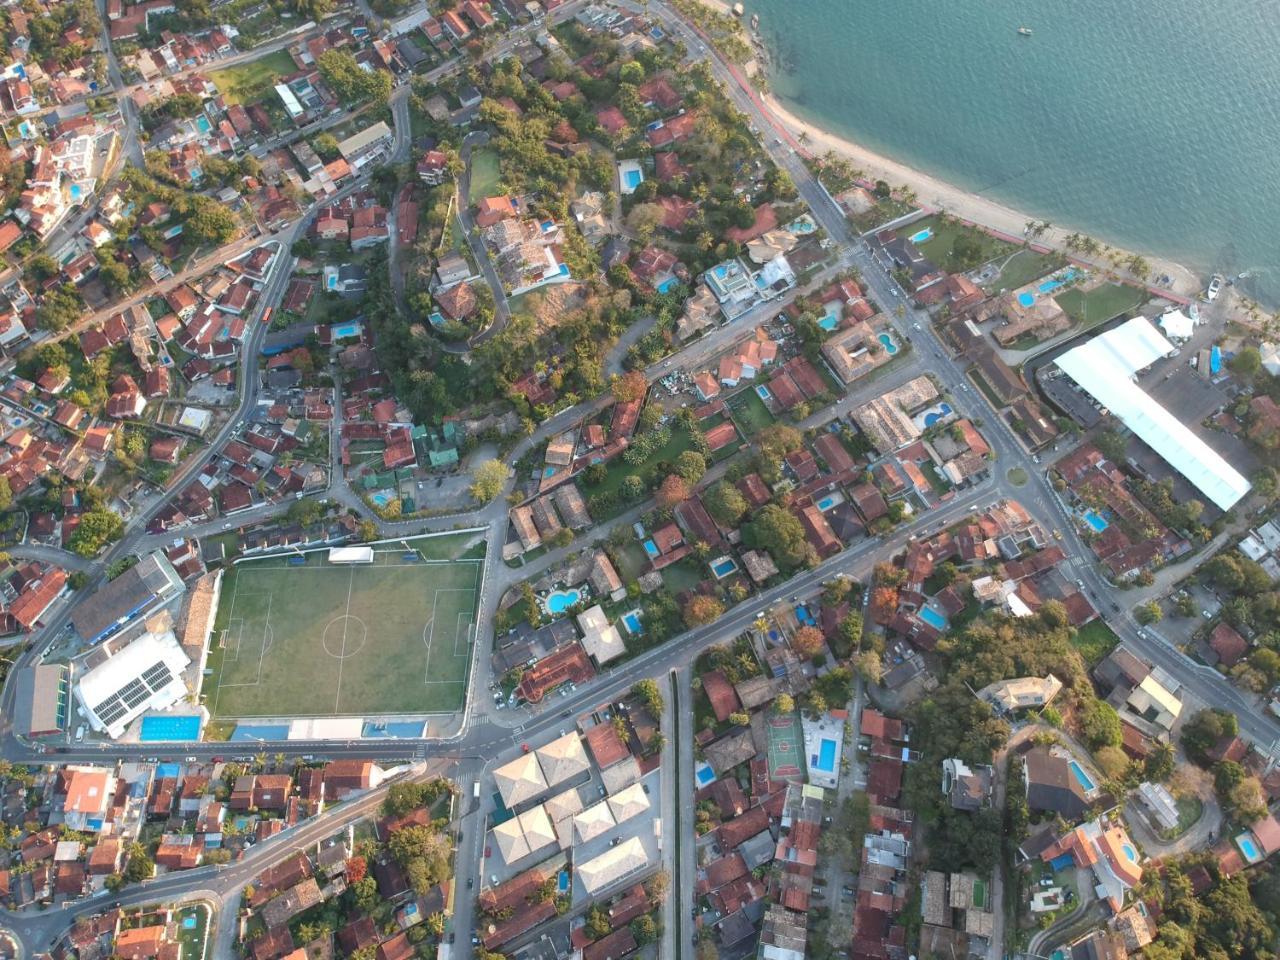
(1024, 31)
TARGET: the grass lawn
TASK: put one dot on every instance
(246, 82)
(684, 574)
(1101, 303)
(930, 471)
(749, 412)
(1094, 641)
(484, 174)
(1027, 265)
(321, 639)
(1190, 807)
(981, 383)
(619, 469)
(1017, 476)
(192, 922)
(940, 247)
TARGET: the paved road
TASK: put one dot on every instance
(475, 741)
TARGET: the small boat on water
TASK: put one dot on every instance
(755, 21)
(1024, 31)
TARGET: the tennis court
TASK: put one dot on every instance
(311, 638)
(786, 741)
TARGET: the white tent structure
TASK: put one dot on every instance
(351, 554)
(1105, 367)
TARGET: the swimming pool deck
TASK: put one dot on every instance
(825, 728)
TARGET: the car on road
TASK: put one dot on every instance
(524, 748)
(471, 883)
(488, 852)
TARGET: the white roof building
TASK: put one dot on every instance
(538, 831)
(562, 759)
(1105, 367)
(144, 675)
(1177, 325)
(600, 638)
(617, 863)
(628, 803)
(593, 822)
(519, 780)
(510, 840)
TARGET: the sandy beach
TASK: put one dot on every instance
(936, 194)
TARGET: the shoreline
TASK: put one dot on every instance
(937, 195)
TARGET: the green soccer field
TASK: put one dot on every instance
(322, 639)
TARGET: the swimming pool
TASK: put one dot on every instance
(1061, 280)
(939, 412)
(890, 347)
(381, 497)
(932, 617)
(825, 761)
(344, 330)
(1130, 854)
(631, 621)
(630, 175)
(829, 322)
(562, 881)
(1215, 360)
(651, 549)
(202, 123)
(189, 923)
(1248, 848)
(667, 284)
(763, 393)
(633, 178)
(826, 503)
(1082, 778)
(805, 617)
(1095, 520)
(1027, 299)
(920, 236)
(75, 191)
(558, 601)
(155, 729)
(704, 774)
(723, 567)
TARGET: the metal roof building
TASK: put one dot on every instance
(145, 675)
(1105, 367)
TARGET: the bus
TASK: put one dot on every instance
(266, 315)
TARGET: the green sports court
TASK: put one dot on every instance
(301, 636)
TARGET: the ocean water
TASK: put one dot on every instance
(1150, 125)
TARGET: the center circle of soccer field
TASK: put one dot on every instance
(344, 636)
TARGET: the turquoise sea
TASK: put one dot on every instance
(1151, 125)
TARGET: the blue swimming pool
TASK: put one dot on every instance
(75, 191)
(826, 503)
(666, 285)
(558, 601)
(651, 549)
(1130, 854)
(932, 617)
(202, 122)
(189, 923)
(1248, 847)
(920, 236)
(825, 761)
(1027, 299)
(155, 729)
(632, 622)
(1082, 778)
(381, 497)
(704, 774)
(829, 322)
(343, 330)
(562, 881)
(723, 567)
(940, 412)
(1215, 360)
(1061, 280)
(889, 345)
(632, 179)
(763, 392)
(1095, 520)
